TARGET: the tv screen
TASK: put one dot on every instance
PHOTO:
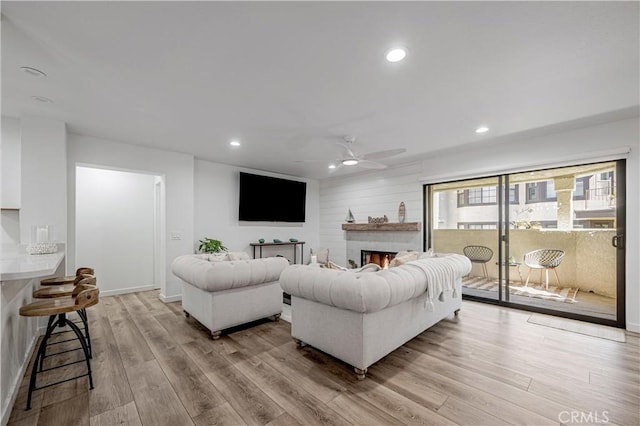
(269, 199)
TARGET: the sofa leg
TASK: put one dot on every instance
(276, 317)
(215, 335)
(186, 314)
(299, 343)
(360, 374)
(456, 312)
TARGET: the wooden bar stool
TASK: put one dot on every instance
(66, 290)
(68, 279)
(83, 296)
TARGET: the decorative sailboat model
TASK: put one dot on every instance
(350, 218)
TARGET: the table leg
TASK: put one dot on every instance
(520, 273)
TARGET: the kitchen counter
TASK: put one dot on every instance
(19, 266)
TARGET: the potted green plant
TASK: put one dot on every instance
(209, 245)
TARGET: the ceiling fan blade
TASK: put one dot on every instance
(347, 148)
(312, 161)
(336, 168)
(383, 154)
(366, 164)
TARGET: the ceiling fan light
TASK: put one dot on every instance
(396, 54)
(349, 162)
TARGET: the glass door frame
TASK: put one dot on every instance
(503, 246)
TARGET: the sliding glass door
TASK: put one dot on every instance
(545, 240)
(464, 219)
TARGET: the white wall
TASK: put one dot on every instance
(216, 212)
(44, 177)
(369, 194)
(115, 228)
(559, 148)
(10, 155)
(177, 173)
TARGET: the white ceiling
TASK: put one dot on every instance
(289, 79)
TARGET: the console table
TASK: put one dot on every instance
(284, 243)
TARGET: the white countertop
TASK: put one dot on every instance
(19, 266)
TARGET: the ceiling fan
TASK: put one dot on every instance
(351, 159)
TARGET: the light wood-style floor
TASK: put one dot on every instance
(489, 366)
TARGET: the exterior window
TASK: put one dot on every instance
(477, 225)
(544, 192)
(551, 191)
(582, 185)
(513, 194)
(533, 193)
(484, 196)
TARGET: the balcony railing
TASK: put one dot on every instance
(597, 198)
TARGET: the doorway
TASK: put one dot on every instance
(548, 240)
(119, 224)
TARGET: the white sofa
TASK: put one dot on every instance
(360, 317)
(222, 293)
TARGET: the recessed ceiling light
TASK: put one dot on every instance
(34, 72)
(396, 54)
(332, 166)
(350, 162)
(482, 129)
(42, 99)
(234, 143)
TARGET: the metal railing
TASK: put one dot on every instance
(600, 197)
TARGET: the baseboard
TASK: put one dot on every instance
(633, 327)
(18, 381)
(125, 290)
(170, 299)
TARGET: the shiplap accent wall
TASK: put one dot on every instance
(368, 194)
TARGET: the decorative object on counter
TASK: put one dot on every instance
(402, 212)
(293, 240)
(275, 240)
(41, 240)
(350, 218)
(352, 264)
(42, 248)
(383, 219)
(209, 245)
(261, 240)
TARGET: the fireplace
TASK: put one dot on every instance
(381, 258)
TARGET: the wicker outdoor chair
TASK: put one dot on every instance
(543, 259)
(479, 254)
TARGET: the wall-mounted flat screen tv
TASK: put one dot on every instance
(269, 199)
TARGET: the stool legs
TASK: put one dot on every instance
(82, 313)
(37, 362)
(40, 355)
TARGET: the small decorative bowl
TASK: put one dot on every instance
(42, 248)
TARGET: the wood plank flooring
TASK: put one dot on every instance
(489, 366)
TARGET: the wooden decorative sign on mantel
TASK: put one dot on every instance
(406, 226)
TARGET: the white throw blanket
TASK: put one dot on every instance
(441, 274)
